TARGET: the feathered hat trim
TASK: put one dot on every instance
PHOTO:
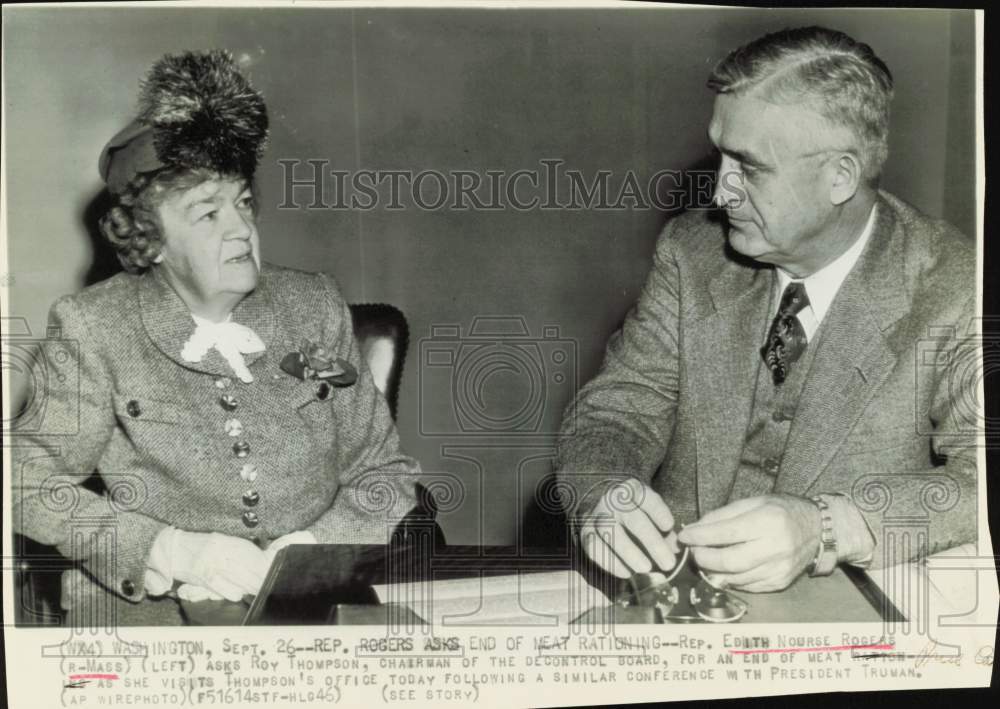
(196, 110)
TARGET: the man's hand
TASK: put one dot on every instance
(632, 506)
(756, 544)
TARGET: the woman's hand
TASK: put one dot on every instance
(194, 592)
(227, 566)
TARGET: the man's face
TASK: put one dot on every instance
(211, 250)
(773, 180)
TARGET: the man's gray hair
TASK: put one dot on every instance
(841, 79)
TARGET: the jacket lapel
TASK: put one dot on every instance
(256, 311)
(852, 358)
(168, 322)
(723, 369)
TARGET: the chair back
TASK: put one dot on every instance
(383, 336)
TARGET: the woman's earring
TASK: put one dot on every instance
(158, 259)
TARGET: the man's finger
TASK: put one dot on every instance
(764, 586)
(657, 510)
(631, 555)
(733, 509)
(602, 554)
(734, 530)
(746, 580)
(672, 542)
(732, 559)
(650, 537)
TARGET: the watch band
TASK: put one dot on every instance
(826, 556)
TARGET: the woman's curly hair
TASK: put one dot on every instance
(132, 225)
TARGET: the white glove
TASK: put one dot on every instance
(226, 566)
(190, 592)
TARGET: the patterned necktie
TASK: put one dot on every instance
(786, 339)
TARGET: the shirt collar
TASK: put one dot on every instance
(822, 286)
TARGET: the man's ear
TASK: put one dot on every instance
(847, 178)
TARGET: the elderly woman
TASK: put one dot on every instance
(222, 401)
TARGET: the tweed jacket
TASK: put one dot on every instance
(171, 439)
(886, 415)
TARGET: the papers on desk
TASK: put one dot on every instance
(543, 599)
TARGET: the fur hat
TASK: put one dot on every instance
(196, 110)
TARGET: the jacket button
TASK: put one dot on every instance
(241, 449)
(222, 382)
(251, 498)
(233, 427)
(248, 472)
(771, 465)
(133, 409)
(250, 519)
(323, 391)
(128, 588)
(778, 416)
(227, 402)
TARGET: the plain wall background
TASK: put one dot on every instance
(473, 89)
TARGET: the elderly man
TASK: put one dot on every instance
(794, 358)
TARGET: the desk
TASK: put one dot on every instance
(306, 580)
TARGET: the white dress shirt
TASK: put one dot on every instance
(822, 286)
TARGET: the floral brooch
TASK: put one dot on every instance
(315, 362)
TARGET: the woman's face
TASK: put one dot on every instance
(211, 250)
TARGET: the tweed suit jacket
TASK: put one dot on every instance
(153, 425)
(886, 415)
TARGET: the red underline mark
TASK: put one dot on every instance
(93, 676)
(827, 648)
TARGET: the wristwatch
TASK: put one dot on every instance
(826, 556)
